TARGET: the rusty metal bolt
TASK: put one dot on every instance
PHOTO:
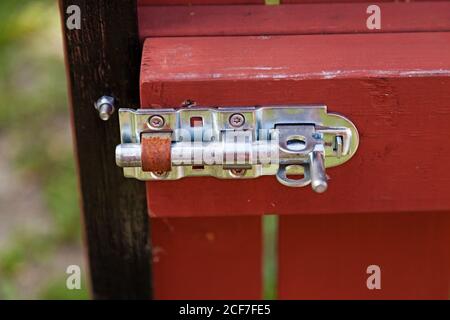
(155, 154)
(236, 120)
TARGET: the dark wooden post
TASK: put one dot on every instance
(103, 58)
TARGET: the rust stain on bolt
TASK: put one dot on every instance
(156, 153)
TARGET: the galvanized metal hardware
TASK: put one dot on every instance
(105, 107)
(235, 143)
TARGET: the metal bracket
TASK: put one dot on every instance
(235, 143)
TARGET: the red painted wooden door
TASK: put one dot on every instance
(388, 206)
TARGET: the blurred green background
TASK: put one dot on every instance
(39, 212)
(39, 209)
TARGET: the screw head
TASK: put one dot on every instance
(238, 172)
(317, 135)
(236, 120)
(160, 174)
(156, 122)
(188, 103)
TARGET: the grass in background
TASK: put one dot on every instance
(56, 290)
(34, 117)
(270, 256)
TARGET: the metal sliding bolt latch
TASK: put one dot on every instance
(294, 143)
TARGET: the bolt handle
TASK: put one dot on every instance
(317, 170)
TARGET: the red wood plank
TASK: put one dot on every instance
(393, 86)
(156, 21)
(207, 258)
(326, 257)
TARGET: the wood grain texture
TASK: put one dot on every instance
(233, 20)
(326, 256)
(393, 86)
(103, 59)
